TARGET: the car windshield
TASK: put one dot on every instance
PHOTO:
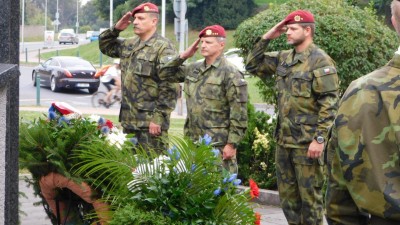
(66, 34)
(76, 63)
(96, 33)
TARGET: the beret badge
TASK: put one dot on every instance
(298, 18)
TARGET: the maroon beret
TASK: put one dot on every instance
(145, 8)
(212, 31)
(299, 16)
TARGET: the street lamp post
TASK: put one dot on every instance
(45, 16)
(77, 16)
(111, 12)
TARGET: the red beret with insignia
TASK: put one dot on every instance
(145, 8)
(299, 16)
(213, 31)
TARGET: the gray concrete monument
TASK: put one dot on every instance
(9, 108)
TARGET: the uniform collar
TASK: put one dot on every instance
(216, 63)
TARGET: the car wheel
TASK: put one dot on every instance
(34, 74)
(53, 85)
(92, 90)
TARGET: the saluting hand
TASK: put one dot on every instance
(189, 52)
(276, 31)
(124, 22)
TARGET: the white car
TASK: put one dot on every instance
(233, 56)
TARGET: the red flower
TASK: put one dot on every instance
(109, 124)
(258, 219)
(254, 191)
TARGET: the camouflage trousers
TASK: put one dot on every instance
(147, 141)
(300, 180)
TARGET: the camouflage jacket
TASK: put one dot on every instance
(307, 86)
(146, 98)
(363, 152)
(216, 98)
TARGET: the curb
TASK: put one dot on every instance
(266, 197)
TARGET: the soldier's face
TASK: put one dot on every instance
(210, 46)
(295, 34)
(143, 23)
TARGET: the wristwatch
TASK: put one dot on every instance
(320, 139)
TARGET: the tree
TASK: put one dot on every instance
(355, 38)
(226, 13)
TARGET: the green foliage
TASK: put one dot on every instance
(46, 146)
(226, 13)
(179, 185)
(256, 152)
(353, 37)
(126, 216)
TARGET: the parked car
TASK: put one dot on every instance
(66, 72)
(68, 38)
(89, 34)
(94, 36)
(233, 56)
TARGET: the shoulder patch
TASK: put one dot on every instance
(324, 71)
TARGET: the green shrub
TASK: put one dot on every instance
(256, 152)
(355, 38)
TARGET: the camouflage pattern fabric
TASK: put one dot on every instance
(307, 95)
(296, 173)
(307, 87)
(145, 98)
(363, 152)
(146, 140)
(216, 98)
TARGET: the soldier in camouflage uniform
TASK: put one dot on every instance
(216, 94)
(147, 101)
(307, 87)
(363, 152)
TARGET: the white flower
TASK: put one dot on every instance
(116, 137)
(93, 118)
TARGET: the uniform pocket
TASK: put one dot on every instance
(241, 89)
(301, 84)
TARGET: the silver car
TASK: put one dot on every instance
(64, 38)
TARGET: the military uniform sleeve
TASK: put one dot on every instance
(174, 70)
(168, 91)
(237, 96)
(326, 87)
(261, 63)
(109, 43)
(340, 207)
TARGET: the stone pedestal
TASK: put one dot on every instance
(9, 110)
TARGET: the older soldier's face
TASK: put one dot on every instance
(143, 23)
(295, 34)
(210, 46)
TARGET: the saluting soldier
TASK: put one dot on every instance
(147, 101)
(363, 151)
(216, 94)
(307, 91)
